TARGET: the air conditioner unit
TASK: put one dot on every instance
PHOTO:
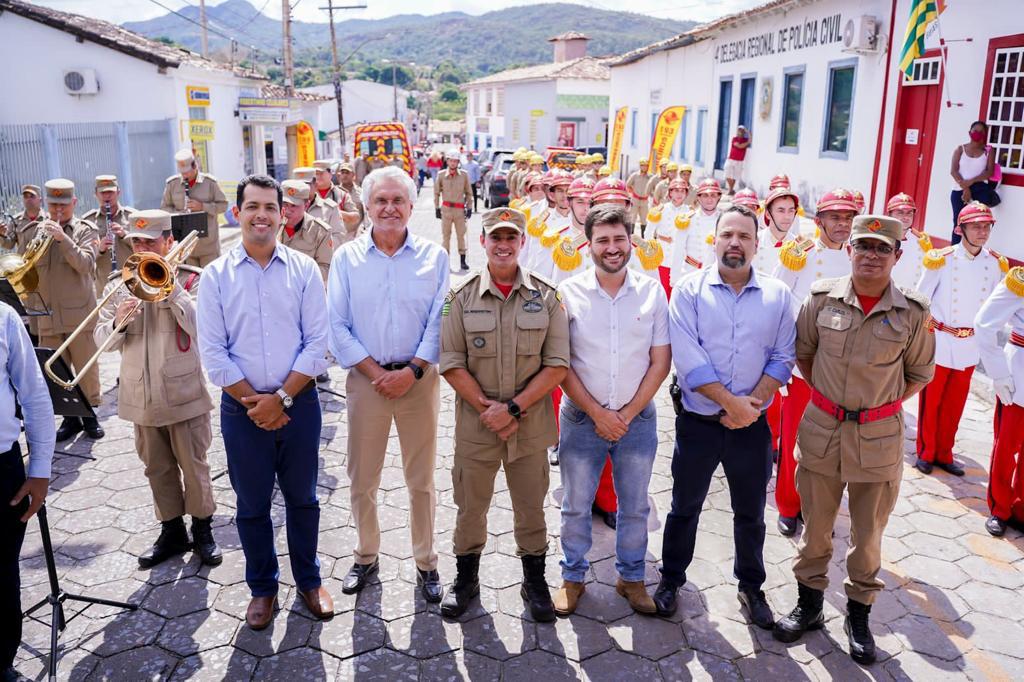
(81, 82)
(861, 34)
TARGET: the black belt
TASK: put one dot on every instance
(394, 366)
(709, 418)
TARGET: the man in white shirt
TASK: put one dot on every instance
(620, 355)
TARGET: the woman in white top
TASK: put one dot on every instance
(973, 165)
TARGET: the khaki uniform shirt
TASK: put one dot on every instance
(640, 185)
(161, 379)
(326, 211)
(660, 193)
(66, 278)
(510, 181)
(503, 343)
(361, 169)
(123, 247)
(205, 190)
(313, 238)
(21, 231)
(860, 362)
(355, 195)
(453, 189)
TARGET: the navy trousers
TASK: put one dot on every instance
(746, 457)
(12, 534)
(256, 459)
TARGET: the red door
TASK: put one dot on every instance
(913, 142)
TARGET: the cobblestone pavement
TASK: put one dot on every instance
(952, 608)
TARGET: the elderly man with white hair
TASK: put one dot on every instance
(453, 203)
(385, 293)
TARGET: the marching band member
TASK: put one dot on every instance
(780, 213)
(672, 223)
(803, 262)
(301, 231)
(909, 268)
(957, 280)
(17, 233)
(113, 246)
(536, 207)
(193, 190)
(563, 250)
(639, 184)
(162, 392)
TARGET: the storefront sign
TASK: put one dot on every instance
(618, 130)
(536, 113)
(800, 36)
(197, 96)
(267, 110)
(200, 131)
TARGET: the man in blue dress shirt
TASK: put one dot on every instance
(262, 318)
(472, 168)
(386, 289)
(20, 497)
(733, 333)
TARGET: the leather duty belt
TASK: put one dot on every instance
(871, 414)
(452, 204)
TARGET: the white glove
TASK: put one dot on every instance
(784, 390)
(1004, 390)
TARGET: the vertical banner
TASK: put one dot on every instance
(618, 130)
(305, 142)
(668, 126)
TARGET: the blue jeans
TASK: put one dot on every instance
(256, 458)
(581, 454)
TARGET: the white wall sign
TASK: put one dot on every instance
(911, 137)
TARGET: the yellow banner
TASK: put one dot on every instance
(305, 142)
(669, 122)
(618, 130)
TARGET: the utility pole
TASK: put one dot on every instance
(202, 36)
(394, 87)
(286, 24)
(331, 9)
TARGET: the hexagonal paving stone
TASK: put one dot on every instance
(222, 663)
(651, 638)
(719, 636)
(499, 636)
(535, 665)
(458, 666)
(382, 664)
(298, 664)
(926, 636)
(182, 597)
(287, 631)
(137, 664)
(575, 637)
(618, 665)
(601, 603)
(997, 601)
(992, 572)
(933, 571)
(697, 665)
(198, 631)
(106, 567)
(348, 634)
(424, 635)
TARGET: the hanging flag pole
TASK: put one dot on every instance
(922, 13)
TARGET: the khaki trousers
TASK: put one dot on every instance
(870, 505)
(473, 488)
(176, 467)
(79, 353)
(453, 216)
(369, 424)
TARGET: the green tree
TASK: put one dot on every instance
(449, 95)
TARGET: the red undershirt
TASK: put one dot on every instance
(868, 302)
(323, 192)
(290, 231)
(504, 289)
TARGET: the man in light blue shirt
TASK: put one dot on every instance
(472, 168)
(733, 333)
(385, 293)
(262, 323)
(21, 380)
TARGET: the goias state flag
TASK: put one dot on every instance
(922, 13)
(665, 133)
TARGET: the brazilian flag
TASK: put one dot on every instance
(922, 13)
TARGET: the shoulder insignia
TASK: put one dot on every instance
(210, 177)
(172, 178)
(936, 258)
(916, 296)
(327, 200)
(823, 286)
(447, 307)
(543, 280)
(1004, 263)
(89, 215)
(88, 223)
(1015, 280)
(321, 223)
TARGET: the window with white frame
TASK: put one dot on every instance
(1005, 110)
(500, 106)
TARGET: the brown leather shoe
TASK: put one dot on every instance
(260, 612)
(319, 603)
(567, 596)
(636, 593)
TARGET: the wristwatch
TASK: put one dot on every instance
(417, 371)
(286, 399)
(513, 409)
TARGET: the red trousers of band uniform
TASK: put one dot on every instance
(1006, 473)
(774, 417)
(939, 410)
(605, 497)
(665, 275)
(787, 500)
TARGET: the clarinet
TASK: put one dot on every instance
(184, 185)
(113, 242)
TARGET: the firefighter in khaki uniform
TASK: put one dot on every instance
(301, 231)
(322, 209)
(864, 346)
(112, 239)
(334, 196)
(504, 347)
(640, 185)
(453, 204)
(67, 287)
(18, 232)
(193, 190)
(163, 393)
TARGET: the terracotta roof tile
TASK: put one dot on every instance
(592, 68)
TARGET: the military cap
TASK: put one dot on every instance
(322, 165)
(880, 227)
(295, 192)
(645, 161)
(105, 183)
(304, 173)
(451, 154)
(709, 186)
(685, 168)
(497, 218)
(597, 157)
(604, 171)
(345, 166)
(838, 199)
(184, 157)
(31, 189)
(536, 158)
(60, 191)
(671, 166)
(149, 224)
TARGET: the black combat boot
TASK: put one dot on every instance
(862, 643)
(535, 589)
(173, 541)
(203, 543)
(806, 616)
(465, 587)
(462, 262)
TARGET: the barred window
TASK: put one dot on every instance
(1004, 112)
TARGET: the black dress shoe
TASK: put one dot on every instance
(757, 608)
(951, 468)
(355, 579)
(923, 466)
(610, 518)
(203, 543)
(92, 428)
(665, 597)
(173, 540)
(995, 526)
(788, 525)
(429, 583)
(69, 426)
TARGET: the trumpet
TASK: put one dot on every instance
(20, 269)
(148, 278)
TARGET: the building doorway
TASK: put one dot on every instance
(724, 116)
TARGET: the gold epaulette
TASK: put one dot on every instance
(566, 255)
(936, 258)
(800, 212)
(1004, 263)
(924, 241)
(710, 239)
(537, 225)
(793, 254)
(649, 252)
(550, 239)
(516, 203)
(682, 221)
(1015, 280)
(654, 215)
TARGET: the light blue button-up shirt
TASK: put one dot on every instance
(387, 307)
(719, 335)
(258, 323)
(20, 373)
(472, 169)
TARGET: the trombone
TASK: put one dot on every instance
(145, 276)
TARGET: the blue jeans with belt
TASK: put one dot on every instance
(256, 459)
(581, 454)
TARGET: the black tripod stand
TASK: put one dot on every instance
(57, 596)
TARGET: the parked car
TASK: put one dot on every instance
(495, 187)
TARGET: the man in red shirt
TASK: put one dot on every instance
(737, 154)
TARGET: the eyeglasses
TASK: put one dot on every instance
(863, 247)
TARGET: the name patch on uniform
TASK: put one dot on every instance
(533, 306)
(479, 342)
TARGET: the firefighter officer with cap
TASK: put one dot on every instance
(301, 231)
(113, 246)
(864, 347)
(192, 190)
(453, 204)
(640, 186)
